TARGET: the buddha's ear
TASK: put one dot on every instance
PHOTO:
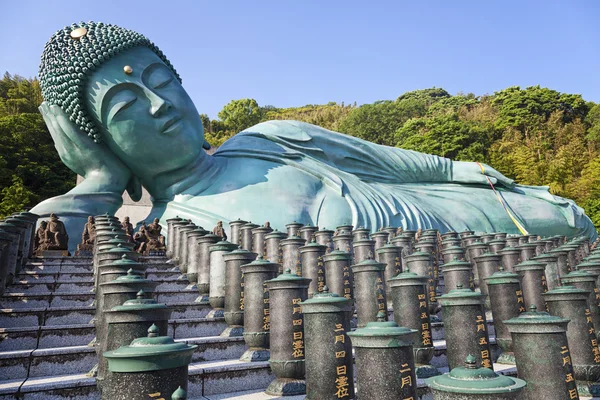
(134, 188)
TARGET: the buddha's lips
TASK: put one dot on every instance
(170, 123)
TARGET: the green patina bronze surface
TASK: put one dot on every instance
(121, 119)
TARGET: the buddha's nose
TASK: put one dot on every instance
(158, 105)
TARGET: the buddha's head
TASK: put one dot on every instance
(120, 89)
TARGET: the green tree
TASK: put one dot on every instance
(14, 197)
(238, 115)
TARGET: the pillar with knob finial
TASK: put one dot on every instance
(311, 257)
(148, 366)
(369, 290)
(384, 360)
(542, 355)
(328, 355)
(286, 292)
(571, 303)
(507, 301)
(465, 327)
(257, 317)
(409, 297)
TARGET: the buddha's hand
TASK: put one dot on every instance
(476, 173)
(102, 170)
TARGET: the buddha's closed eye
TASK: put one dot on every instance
(120, 102)
(158, 76)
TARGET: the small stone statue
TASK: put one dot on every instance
(148, 240)
(40, 237)
(127, 227)
(220, 232)
(54, 236)
(156, 242)
(140, 239)
(153, 232)
(87, 238)
(267, 224)
(399, 231)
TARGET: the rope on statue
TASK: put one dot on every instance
(514, 220)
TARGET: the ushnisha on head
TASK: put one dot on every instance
(73, 53)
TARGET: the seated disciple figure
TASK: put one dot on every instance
(120, 117)
(127, 227)
(54, 236)
(155, 244)
(153, 231)
(140, 239)
(220, 231)
(40, 238)
(86, 247)
(89, 231)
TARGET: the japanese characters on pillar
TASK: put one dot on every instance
(242, 293)
(266, 312)
(398, 264)
(341, 381)
(597, 293)
(320, 274)
(298, 263)
(431, 286)
(544, 283)
(482, 340)
(520, 300)
(424, 316)
(380, 293)
(592, 334)
(298, 330)
(406, 379)
(569, 375)
(347, 283)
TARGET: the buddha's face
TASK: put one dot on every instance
(149, 121)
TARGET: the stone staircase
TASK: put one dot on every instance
(45, 329)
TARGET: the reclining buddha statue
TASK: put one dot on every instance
(120, 117)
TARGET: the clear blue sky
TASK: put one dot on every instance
(292, 53)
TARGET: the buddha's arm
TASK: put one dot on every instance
(368, 161)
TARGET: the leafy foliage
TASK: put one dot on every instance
(30, 169)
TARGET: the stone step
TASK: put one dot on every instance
(52, 316)
(79, 299)
(208, 380)
(45, 337)
(65, 286)
(53, 276)
(82, 264)
(76, 359)
(31, 276)
(80, 359)
(205, 378)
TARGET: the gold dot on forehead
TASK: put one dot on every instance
(128, 70)
(78, 33)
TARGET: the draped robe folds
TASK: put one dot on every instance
(386, 186)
